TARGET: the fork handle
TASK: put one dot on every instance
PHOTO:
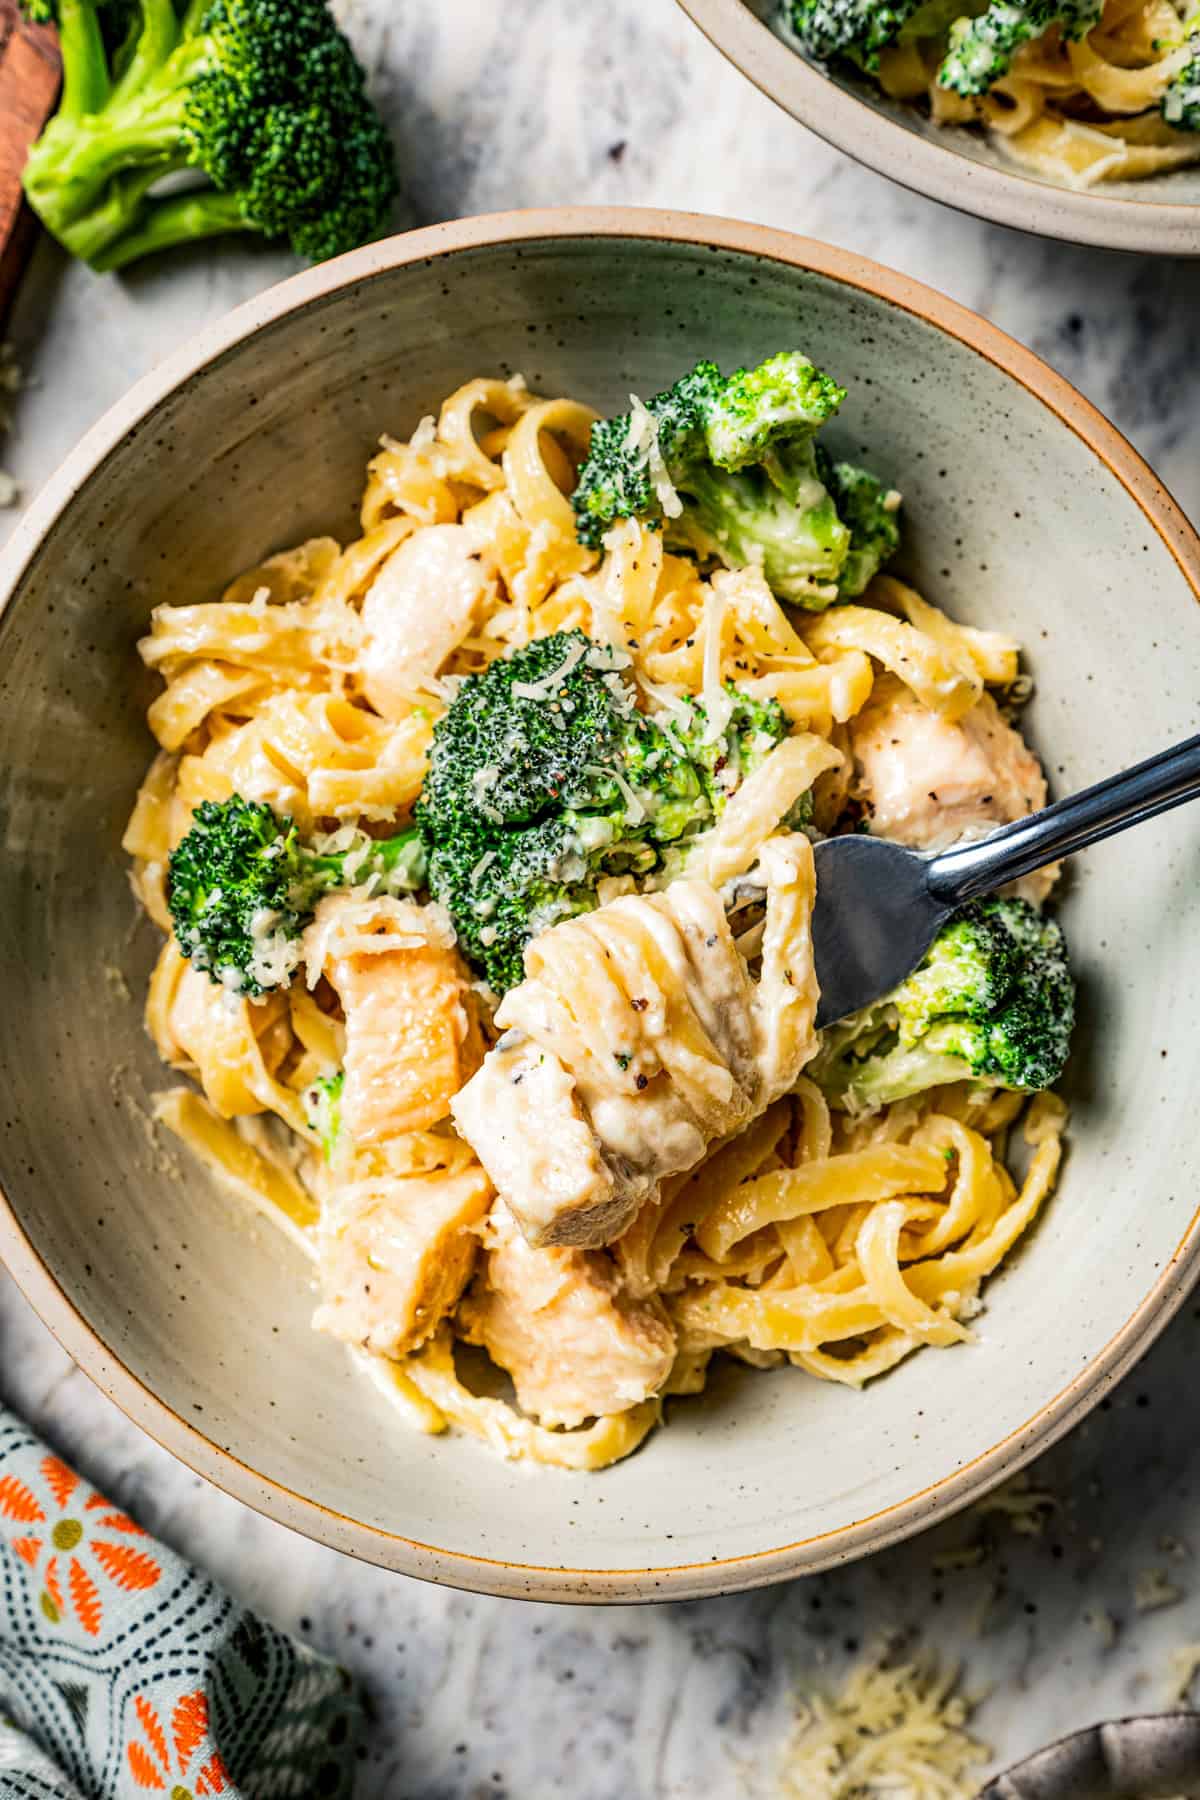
(1150, 787)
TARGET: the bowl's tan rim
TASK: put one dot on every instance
(937, 169)
(527, 1580)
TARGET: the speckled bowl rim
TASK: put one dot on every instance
(936, 168)
(428, 1561)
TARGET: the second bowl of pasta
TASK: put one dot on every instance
(461, 654)
(1072, 118)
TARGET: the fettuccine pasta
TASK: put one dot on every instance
(1078, 112)
(725, 1205)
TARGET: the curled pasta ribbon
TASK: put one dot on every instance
(879, 1248)
(990, 655)
(637, 1038)
(649, 1250)
(1123, 90)
(236, 1046)
(265, 1183)
(312, 757)
(760, 805)
(1118, 69)
(537, 472)
(427, 1385)
(503, 403)
(936, 674)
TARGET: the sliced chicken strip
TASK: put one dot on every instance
(412, 1031)
(541, 1150)
(576, 1347)
(394, 1254)
(418, 610)
(929, 782)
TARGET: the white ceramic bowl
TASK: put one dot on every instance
(1160, 216)
(1027, 512)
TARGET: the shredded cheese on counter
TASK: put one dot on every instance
(896, 1731)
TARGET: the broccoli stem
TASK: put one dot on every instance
(160, 224)
(86, 85)
(120, 208)
(66, 189)
(386, 854)
(155, 42)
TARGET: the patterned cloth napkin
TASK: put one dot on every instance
(125, 1672)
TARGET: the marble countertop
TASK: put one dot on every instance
(535, 103)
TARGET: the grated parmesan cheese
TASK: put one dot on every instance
(1026, 1508)
(550, 684)
(642, 440)
(1183, 1664)
(897, 1732)
(635, 811)
(1106, 1628)
(1152, 1590)
(276, 957)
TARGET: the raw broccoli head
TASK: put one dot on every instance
(264, 96)
(544, 778)
(727, 467)
(982, 48)
(993, 1001)
(242, 886)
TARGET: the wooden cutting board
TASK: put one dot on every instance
(30, 72)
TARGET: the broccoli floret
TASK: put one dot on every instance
(242, 886)
(1180, 105)
(323, 1107)
(724, 758)
(933, 19)
(544, 778)
(264, 96)
(858, 29)
(871, 511)
(727, 468)
(982, 48)
(993, 1001)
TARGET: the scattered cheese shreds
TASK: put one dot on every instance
(1103, 1624)
(642, 440)
(1152, 1590)
(948, 1562)
(895, 1731)
(1027, 1509)
(1183, 1664)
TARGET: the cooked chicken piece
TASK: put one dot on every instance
(395, 1253)
(417, 610)
(576, 1347)
(412, 1031)
(929, 782)
(636, 1039)
(541, 1151)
